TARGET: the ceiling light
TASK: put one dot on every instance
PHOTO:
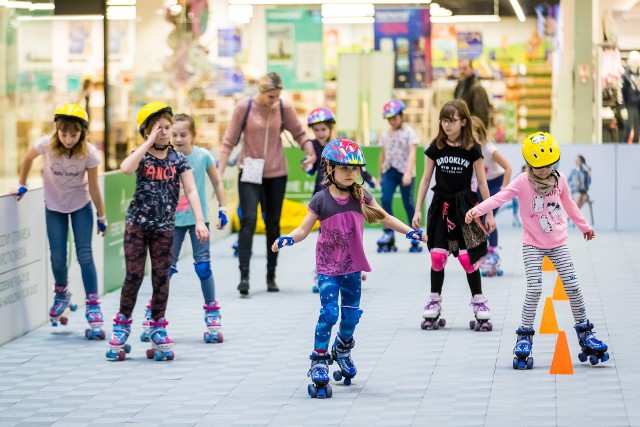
(464, 18)
(518, 10)
(349, 20)
(121, 2)
(61, 18)
(347, 10)
(121, 12)
(240, 13)
(300, 2)
(42, 6)
(16, 4)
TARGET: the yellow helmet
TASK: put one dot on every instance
(72, 111)
(540, 149)
(148, 111)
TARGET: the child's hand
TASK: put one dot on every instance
(153, 135)
(417, 235)
(406, 179)
(102, 226)
(222, 216)
(471, 214)
(19, 191)
(308, 162)
(490, 223)
(416, 222)
(589, 235)
(280, 242)
(202, 232)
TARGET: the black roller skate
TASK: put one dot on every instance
(481, 313)
(432, 312)
(592, 348)
(387, 242)
(341, 353)
(94, 317)
(61, 302)
(319, 373)
(522, 350)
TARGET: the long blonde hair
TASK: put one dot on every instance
(64, 124)
(448, 112)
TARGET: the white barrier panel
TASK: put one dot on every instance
(627, 174)
(23, 265)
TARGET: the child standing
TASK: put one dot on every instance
(579, 182)
(341, 208)
(183, 133)
(454, 156)
(70, 181)
(150, 222)
(543, 194)
(397, 168)
(498, 173)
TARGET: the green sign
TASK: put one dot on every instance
(294, 47)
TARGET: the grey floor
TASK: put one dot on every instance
(406, 376)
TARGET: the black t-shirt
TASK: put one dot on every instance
(454, 166)
(154, 203)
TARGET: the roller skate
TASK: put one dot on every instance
(490, 264)
(212, 319)
(235, 248)
(415, 246)
(61, 302)
(315, 289)
(94, 317)
(341, 353)
(522, 350)
(319, 373)
(121, 330)
(481, 313)
(592, 348)
(144, 336)
(387, 242)
(432, 312)
(161, 344)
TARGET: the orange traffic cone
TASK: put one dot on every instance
(549, 324)
(561, 363)
(559, 294)
(547, 265)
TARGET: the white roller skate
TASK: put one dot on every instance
(212, 319)
(146, 324)
(118, 348)
(432, 312)
(490, 263)
(481, 313)
(94, 317)
(161, 344)
(61, 302)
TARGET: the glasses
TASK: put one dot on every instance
(447, 122)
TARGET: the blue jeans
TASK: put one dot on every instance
(58, 231)
(391, 179)
(494, 187)
(349, 287)
(201, 253)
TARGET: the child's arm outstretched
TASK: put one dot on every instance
(478, 167)
(395, 224)
(216, 182)
(24, 173)
(429, 165)
(491, 203)
(297, 235)
(191, 191)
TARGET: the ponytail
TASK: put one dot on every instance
(371, 214)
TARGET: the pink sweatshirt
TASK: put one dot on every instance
(254, 134)
(543, 220)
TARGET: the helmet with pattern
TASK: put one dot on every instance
(343, 152)
(72, 111)
(392, 108)
(540, 149)
(321, 115)
(147, 112)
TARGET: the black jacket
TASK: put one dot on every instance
(472, 92)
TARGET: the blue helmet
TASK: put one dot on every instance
(392, 108)
(343, 152)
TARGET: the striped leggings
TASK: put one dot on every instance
(561, 259)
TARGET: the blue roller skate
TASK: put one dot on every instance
(118, 348)
(415, 246)
(61, 302)
(432, 311)
(212, 319)
(146, 324)
(319, 373)
(522, 350)
(592, 348)
(235, 248)
(315, 289)
(94, 317)
(481, 313)
(161, 344)
(387, 242)
(341, 353)
(490, 264)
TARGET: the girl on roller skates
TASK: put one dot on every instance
(397, 169)
(70, 181)
(544, 195)
(341, 208)
(498, 174)
(150, 223)
(454, 156)
(321, 121)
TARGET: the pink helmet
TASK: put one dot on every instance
(392, 108)
(320, 115)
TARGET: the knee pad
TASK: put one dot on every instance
(203, 269)
(351, 315)
(172, 271)
(329, 313)
(439, 259)
(465, 262)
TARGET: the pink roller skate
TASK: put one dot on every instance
(432, 312)
(118, 348)
(61, 302)
(161, 344)
(481, 313)
(212, 320)
(94, 317)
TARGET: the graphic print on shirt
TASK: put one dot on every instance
(64, 175)
(335, 250)
(554, 208)
(548, 210)
(453, 165)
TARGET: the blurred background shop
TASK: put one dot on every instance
(545, 64)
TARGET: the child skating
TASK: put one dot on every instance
(183, 133)
(150, 223)
(70, 181)
(544, 198)
(397, 169)
(340, 259)
(454, 156)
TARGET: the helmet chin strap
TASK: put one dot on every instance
(163, 147)
(338, 186)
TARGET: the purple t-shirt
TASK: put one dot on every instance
(339, 249)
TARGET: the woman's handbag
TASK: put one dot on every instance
(252, 170)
